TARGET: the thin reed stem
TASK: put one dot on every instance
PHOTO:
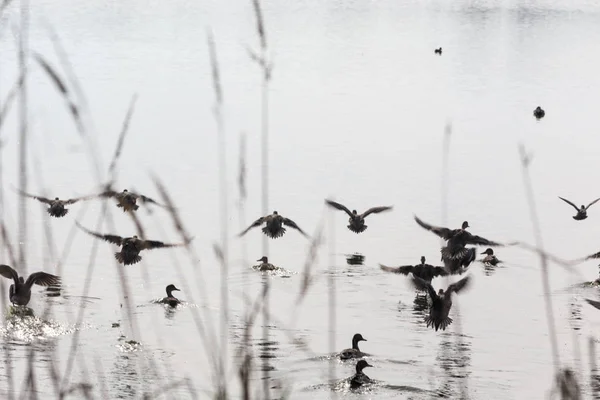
(23, 133)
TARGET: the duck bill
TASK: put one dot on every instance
(483, 253)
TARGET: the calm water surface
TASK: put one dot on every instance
(358, 107)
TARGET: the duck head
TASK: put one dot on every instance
(124, 190)
(441, 292)
(354, 212)
(275, 213)
(362, 364)
(357, 338)
(465, 224)
(422, 259)
(56, 198)
(170, 289)
(489, 252)
(264, 259)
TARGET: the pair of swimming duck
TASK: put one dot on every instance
(359, 378)
(126, 200)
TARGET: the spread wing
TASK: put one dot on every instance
(38, 198)
(592, 203)
(440, 271)
(118, 240)
(594, 303)
(9, 273)
(460, 285)
(474, 239)
(76, 199)
(155, 244)
(292, 224)
(338, 206)
(404, 270)
(256, 223)
(444, 233)
(375, 210)
(568, 202)
(146, 199)
(595, 255)
(108, 193)
(422, 284)
(42, 279)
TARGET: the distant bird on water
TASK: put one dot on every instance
(539, 113)
(128, 200)
(357, 221)
(265, 265)
(19, 292)
(130, 246)
(455, 253)
(57, 206)
(170, 299)
(438, 51)
(424, 271)
(581, 211)
(274, 225)
(441, 302)
(490, 258)
(360, 378)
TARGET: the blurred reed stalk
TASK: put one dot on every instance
(331, 297)
(525, 163)
(23, 134)
(223, 207)
(261, 60)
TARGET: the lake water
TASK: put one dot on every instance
(358, 107)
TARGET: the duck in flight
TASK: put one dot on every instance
(274, 225)
(539, 113)
(170, 299)
(424, 271)
(19, 292)
(360, 378)
(130, 246)
(441, 302)
(581, 211)
(128, 200)
(56, 207)
(456, 240)
(354, 352)
(356, 220)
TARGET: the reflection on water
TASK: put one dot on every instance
(454, 357)
(575, 317)
(355, 259)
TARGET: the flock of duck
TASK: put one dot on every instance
(456, 256)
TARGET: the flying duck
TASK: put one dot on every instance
(274, 225)
(357, 221)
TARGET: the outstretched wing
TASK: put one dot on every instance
(460, 285)
(256, 223)
(38, 198)
(592, 203)
(146, 199)
(338, 206)
(474, 239)
(404, 270)
(292, 224)
(595, 255)
(440, 271)
(118, 240)
(444, 233)
(42, 279)
(594, 303)
(568, 202)
(375, 210)
(76, 199)
(9, 273)
(422, 284)
(155, 244)
(108, 193)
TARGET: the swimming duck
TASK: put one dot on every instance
(130, 246)
(424, 271)
(438, 51)
(265, 265)
(354, 352)
(20, 291)
(441, 302)
(360, 378)
(457, 239)
(170, 299)
(490, 258)
(581, 211)
(274, 225)
(357, 221)
(57, 206)
(539, 113)
(128, 200)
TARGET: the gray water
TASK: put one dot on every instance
(358, 106)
